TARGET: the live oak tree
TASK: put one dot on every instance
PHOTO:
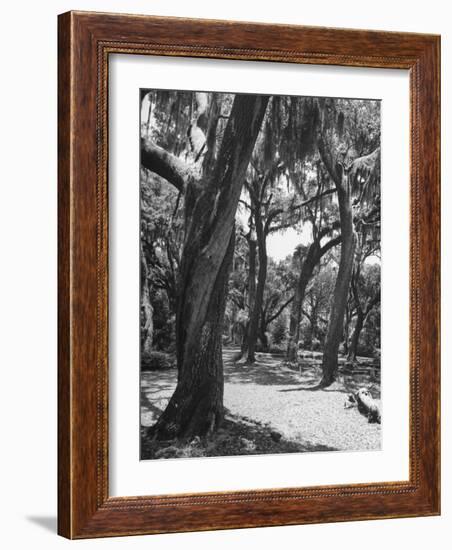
(358, 178)
(289, 163)
(279, 294)
(251, 240)
(366, 293)
(273, 183)
(365, 281)
(339, 176)
(280, 194)
(279, 330)
(316, 305)
(238, 296)
(260, 203)
(263, 188)
(312, 258)
(211, 185)
(320, 214)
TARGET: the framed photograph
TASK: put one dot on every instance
(248, 280)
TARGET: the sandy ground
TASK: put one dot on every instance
(278, 397)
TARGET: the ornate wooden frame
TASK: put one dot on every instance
(85, 42)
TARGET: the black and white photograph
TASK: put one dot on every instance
(260, 268)
(224, 235)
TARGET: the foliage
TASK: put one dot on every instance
(285, 173)
(164, 322)
(279, 330)
(317, 301)
(304, 146)
(369, 344)
(157, 361)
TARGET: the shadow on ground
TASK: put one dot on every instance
(156, 382)
(238, 436)
(310, 379)
(156, 387)
(263, 420)
(273, 370)
(268, 370)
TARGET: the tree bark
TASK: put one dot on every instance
(196, 407)
(295, 314)
(166, 165)
(263, 333)
(314, 329)
(261, 278)
(352, 349)
(313, 257)
(244, 342)
(251, 287)
(340, 295)
(362, 314)
(146, 310)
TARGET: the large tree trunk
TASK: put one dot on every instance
(340, 295)
(196, 407)
(261, 278)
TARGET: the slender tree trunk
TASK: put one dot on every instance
(146, 310)
(314, 329)
(360, 322)
(196, 407)
(251, 287)
(244, 343)
(295, 314)
(263, 333)
(261, 278)
(351, 357)
(346, 330)
(313, 257)
(340, 295)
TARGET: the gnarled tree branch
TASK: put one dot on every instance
(166, 165)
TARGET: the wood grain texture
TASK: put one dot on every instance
(64, 295)
(85, 42)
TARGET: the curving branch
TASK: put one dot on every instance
(164, 164)
(279, 311)
(277, 211)
(330, 244)
(328, 229)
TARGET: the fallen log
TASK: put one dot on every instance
(365, 403)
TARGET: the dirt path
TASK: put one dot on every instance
(269, 394)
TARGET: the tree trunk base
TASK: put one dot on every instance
(292, 350)
(204, 420)
(251, 359)
(327, 380)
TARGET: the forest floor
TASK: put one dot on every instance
(270, 408)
